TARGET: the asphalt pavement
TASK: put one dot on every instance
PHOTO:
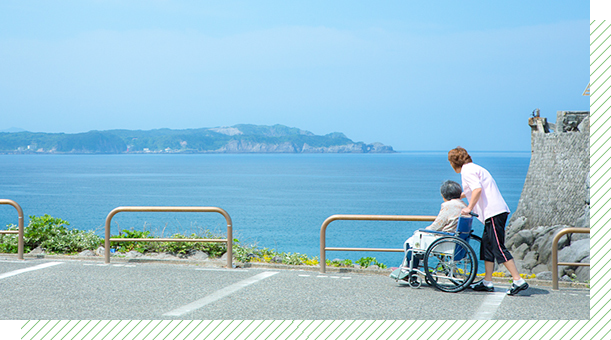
(39, 289)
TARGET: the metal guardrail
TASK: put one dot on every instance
(19, 232)
(228, 240)
(323, 232)
(555, 262)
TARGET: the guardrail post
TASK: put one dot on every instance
(555, 262)
(228, 241)
(20, 243)
(323, 232)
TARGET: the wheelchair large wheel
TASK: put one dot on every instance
(450, 264)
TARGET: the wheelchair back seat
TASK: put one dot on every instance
(463, 231)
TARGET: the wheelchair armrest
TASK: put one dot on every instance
(435, 232)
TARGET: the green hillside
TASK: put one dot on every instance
(241, 138)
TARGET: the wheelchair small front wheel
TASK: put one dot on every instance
(414, 281)
(450, 264)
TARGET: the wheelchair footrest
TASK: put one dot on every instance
(399, 273)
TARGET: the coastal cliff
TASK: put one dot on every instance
(243, 138)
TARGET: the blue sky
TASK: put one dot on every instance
(410, 74)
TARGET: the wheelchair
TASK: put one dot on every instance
(449, 261)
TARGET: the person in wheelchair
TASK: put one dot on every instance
(446, 220)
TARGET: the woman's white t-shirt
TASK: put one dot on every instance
(490, 203)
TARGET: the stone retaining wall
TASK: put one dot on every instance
(556, 188)
(555, 196)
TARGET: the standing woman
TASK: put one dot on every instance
(485, 200)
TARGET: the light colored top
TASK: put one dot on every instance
(490, 203)
(447, 219)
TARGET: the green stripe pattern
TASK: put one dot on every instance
(600, 177)
(309, 329)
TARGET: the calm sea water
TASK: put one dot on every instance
(275, 200)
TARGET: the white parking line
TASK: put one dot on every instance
(489, 306)
(105, 264)
(29, 269)
(331, 277)
(219, 294)
(223, 270)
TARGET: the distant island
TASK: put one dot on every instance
(242, 138)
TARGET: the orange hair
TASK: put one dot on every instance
(458, 157)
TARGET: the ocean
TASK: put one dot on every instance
(276, 201)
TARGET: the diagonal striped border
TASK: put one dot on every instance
(598, 327)
(308, 329)
(600, 175)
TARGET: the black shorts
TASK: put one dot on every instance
(493, 240)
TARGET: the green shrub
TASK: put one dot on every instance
(41, 229)
(142, 247)
(214, 249)
(180, 248)
(242, 253)
(294, 259)
(340, 263)
(8, 242)
(254, 254)
(365, 262)
(72, 241)
(51, 234)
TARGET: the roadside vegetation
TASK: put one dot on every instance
(54, 237)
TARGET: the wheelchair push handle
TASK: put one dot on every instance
(474, 215)
(470, 213)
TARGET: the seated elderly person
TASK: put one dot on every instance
(446, 220)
